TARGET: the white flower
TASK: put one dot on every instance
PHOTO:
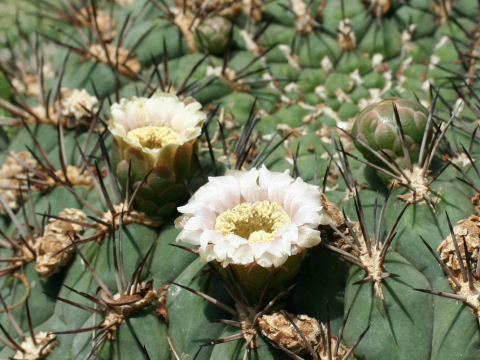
(256, 216)
(157, 125)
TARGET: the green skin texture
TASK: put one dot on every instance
(410, 325)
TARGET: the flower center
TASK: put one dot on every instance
(153, 137)
(257, 222)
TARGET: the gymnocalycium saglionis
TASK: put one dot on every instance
(184, 179)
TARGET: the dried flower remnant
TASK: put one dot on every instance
(331, 211)
(90, 18)
(27, 83)
(461, 255)
(277, 328)
(77, 104)
(161, 309)
(128, 217)
(12, 176)
(476, 203)
(53, 248)
(286, 330)
(120, 306)
(44, 344)
(127, 63)
(76, 107)
(76, 177)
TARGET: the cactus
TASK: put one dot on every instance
(240, 179)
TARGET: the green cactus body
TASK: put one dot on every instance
(121, 238)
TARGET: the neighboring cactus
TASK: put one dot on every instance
(284, 136)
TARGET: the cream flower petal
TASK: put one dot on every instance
(243, 255)
(217, 196)
(119, 115)
(308, 237)
(282, 245)
(274, 184)
(153, 116)
(197, 209)
(307, 214)
(183, 117)
(190, 236)
(277, 248)
(208, 254)
(269, 260)
(210, 237)
(221, 250)
(199, 223)
(247, 182)
(135, 115)
(299, 194)
(226, 195)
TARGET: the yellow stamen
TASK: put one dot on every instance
(154, 137)
(257, 222)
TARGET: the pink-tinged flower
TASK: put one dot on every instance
(255, 217)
